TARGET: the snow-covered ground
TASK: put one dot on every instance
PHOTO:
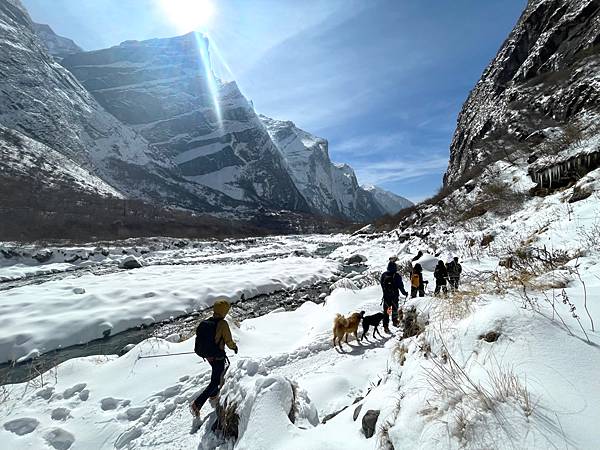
(509, 363)
(75, 308)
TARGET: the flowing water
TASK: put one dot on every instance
(184, 326)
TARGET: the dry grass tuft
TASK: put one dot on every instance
(227, 422)
(455, 306)
(472, 401)
(399, 354)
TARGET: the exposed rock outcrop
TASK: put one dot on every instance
(545, 77)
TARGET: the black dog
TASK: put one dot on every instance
(371, 321)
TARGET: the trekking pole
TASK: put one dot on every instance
(166, 354)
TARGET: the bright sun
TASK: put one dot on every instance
(188, 15)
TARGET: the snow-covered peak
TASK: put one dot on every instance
(329, 188)
(388, 201)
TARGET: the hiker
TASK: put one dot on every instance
(391, 283)
(417, 256)
(212, 335)
(454, 271)
(417, 285)
(441, 276)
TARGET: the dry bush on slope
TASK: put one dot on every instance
(470, 402)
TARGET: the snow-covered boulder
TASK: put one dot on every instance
(355, 259)
(263, 409)
(130, 262)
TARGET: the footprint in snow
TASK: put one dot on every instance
(68, 393)
(60, 414)
(45, 393)
(21, 426)
(169, 392)
(132, 414)
(109, 403)
(59, 439)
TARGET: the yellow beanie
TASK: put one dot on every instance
(221, 308)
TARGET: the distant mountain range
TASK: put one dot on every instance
(148, 120)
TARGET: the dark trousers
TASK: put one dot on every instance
(440, 285)
(454, 283)
(393, 303)
(216, 378)
(414, 290)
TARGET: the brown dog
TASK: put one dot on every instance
(343, 326)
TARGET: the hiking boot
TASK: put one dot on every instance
(396, 323)
(194, 410)
(387, 330)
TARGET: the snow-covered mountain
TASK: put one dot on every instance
(150, 120)
(165, 90)
(329, 188)
(42, 100)
(388, 201)
(57, 46)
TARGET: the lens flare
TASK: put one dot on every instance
(188, 15)
(224, 71)
(211, 81)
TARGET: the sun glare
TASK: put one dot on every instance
(188, 15)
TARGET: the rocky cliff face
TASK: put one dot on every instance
(57, 46)
(165, 90)
(329, 188)
(539, 97)
(42, 100)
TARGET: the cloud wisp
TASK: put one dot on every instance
(400, 169)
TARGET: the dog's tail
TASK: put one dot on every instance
(339, 321)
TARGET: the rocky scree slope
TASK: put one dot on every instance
(42, 100)
(539, 96)
(165, 90)
(329, 188)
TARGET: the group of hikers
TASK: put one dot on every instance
(213, 334)
(392, 285)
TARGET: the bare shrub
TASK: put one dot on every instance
(589, 236)
(473, 401)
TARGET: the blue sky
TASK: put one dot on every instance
(382, 80)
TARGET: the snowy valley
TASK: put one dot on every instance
(97, 337)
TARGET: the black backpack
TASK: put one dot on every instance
(388, 285)
(205, 345)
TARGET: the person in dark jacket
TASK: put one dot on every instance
(218, 363)
(417, 284)
(391, 284)
(454, 271)
(441, 277)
